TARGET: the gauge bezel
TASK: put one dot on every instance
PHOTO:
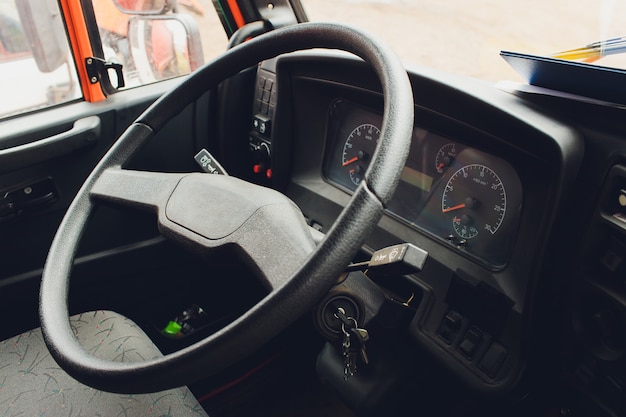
(417, 202)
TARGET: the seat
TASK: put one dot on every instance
(32, 384)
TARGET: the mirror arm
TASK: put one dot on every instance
(98, 70)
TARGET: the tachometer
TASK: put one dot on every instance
(358, 149)
(445, 156)
(475, 201)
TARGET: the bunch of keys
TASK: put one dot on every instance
(353, 343)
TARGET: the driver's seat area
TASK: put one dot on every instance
(33, 384)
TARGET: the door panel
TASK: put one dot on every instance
(40, 153)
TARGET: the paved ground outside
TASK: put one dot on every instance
(466, 37)
(463, 36)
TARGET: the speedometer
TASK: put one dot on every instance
(475, 201)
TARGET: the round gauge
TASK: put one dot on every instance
(358, 149)
(475, 200)
(445, 156)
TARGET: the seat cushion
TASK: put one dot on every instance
(32, 384)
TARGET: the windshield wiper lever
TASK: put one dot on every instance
(401, 259)
(208, 163)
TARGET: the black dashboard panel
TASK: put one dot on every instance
(480, 193)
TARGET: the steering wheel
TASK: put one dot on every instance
(205, 212)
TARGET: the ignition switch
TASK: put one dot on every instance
(330, 321)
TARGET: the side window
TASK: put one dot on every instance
(36, 67)
(154, 40)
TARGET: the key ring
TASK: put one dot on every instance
(343, 326)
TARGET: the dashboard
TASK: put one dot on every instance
(468, 199)
(485, 192)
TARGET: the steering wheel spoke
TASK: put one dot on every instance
(140, 189)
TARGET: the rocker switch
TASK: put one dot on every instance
(469, 345)
(450, 326)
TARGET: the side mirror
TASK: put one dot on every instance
(44, 31)
(142, 7)
(164, 46)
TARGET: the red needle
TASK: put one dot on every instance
(348, 162)
(441, 165)
(460, 206)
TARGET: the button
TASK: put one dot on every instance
(262, 124)
(493, 359)
(621, 199)
(266, 96)
(264, 127)
(471, 342)
(612, 261)
(450, 326)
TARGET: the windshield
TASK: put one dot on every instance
(466, 37)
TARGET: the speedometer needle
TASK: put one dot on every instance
(449, 209)
(349, 161)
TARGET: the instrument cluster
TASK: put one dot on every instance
(467, 199)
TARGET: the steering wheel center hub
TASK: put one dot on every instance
(215, 206)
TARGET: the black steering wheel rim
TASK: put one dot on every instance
(282, 306)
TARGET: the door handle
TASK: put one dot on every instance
(84, 132)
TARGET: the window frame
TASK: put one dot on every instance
(76, 18)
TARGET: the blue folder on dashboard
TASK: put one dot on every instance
(580, 78)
